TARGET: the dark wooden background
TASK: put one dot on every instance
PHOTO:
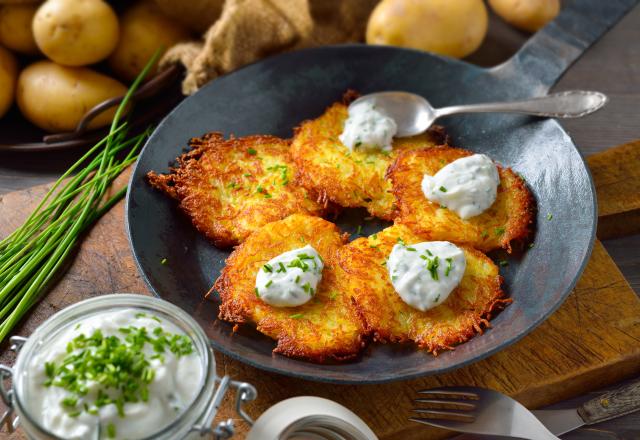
(611, 66)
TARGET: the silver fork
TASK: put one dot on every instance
(478, 411)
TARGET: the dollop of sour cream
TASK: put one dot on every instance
(467, 186)
(424, 274)
(95, 411)
(368, 128)
(290, 279)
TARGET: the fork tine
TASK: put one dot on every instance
(451, 394)
(446, 415)
(448, 404)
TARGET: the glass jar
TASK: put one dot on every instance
(194, 422)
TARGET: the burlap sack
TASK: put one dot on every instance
(248, 30)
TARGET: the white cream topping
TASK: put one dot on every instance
(291, 278)
(175, 384)
(367, 128)
(466, 186)
(424, 274)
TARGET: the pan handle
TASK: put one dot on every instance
(548, 53)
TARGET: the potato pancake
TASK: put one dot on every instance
(463, 314)
(230, 188)
(508, 219)
(350, 178)
(326, 328)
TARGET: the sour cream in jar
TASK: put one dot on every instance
(122, 374)
(367, 128)
(467, 186)
(424, 274)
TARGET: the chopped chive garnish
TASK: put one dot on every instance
(247, 175)
(443, 189)
(120, 365)
(449, 266)
(163, 261)
(437, 299)
(503, 263)
(499, 231)
(549, 216)
(252, 151)
(531, 245)
(257, 292)
(432, 267)
(359, 230)
(297, 279)
(429, 253)
(484, 234)
(111, 430)
(411, 249)
(281, 268)
(333, 295)
(268, 283)
(296, 315)
(267, 268)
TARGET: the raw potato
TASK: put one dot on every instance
(76, 32)
(447, 27)
(143, 30)
(55, 97)
(529, 15)
(8, 75)
(15, 28)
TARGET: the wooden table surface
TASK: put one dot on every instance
(611, 66)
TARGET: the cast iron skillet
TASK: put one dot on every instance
(275, 95)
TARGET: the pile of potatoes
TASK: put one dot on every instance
(57, 42)
(451, 27)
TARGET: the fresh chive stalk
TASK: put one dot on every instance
(35, 253)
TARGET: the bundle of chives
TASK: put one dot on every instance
(35, 252)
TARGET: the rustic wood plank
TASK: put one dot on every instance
(616, 174)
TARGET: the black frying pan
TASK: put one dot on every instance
(275, 95)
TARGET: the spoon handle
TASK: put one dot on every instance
(570, 104)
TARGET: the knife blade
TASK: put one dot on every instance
(558, 421)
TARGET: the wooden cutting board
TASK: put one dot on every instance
(591, 341)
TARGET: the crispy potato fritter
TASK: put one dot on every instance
(230, 188)
(508, 219)
(326, 328)
(463, 314)
(350, 178)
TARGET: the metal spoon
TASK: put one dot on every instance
(414, 115)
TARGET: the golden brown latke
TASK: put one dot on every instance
(230, 188)
(465, 312)
(327, 327)
(350, 178)
(508, 219)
